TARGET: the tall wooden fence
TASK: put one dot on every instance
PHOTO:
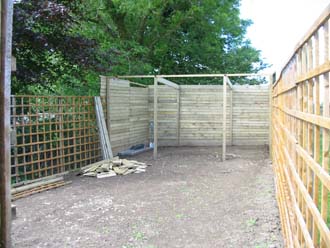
(191, 115)
(300, 140)
(51, 134)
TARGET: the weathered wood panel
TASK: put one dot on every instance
(250, 115)
(127, 113)
(190, 115)
(167, 114)
(200, 115)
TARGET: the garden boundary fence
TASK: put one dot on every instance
(300, 140)
(52, 134)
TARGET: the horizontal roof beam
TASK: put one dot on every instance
(198, 75)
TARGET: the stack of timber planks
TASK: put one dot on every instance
(113, 167)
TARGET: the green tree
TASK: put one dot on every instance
(118, 37)
(173, 36)
(51, 57)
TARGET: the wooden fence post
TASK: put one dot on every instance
(270, 80)
(224, 120)
(178, 126)
(107, 102)
(326, 136)
(155, 117)
(5, 67)
(231, 117)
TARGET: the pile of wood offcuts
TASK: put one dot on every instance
(113, 167)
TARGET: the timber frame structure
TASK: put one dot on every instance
(163, 79)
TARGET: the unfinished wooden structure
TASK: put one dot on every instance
(301, 142)
(185, 115)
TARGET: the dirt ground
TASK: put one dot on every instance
(187, 198)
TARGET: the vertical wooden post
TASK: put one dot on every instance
(155, 117)
(61, 131)
(5, 67)
(178, 117)
(14, 138)
(231, 118)
(317, 141)
(224, 124)
(270, 80)
(310, 129)
(107, 102)
(326, 136)
(304, 143)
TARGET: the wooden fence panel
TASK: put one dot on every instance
(191, 115)
(201, 115)
(127, 113)
(251, 115)
(300, 140)
(167, 114)
(51, 135)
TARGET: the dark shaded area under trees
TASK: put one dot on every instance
(62, 46)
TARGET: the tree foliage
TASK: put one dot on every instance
(67, 43)
(51, 56)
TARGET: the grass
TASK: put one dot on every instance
(179, 216)
(251, 222)
(139, 235)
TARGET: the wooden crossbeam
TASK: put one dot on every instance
(197, 75)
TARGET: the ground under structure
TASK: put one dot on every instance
(187, 198)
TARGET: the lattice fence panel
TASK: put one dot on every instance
(52, 134)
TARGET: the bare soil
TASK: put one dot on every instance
(187, 198)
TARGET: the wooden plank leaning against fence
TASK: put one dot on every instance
(300, 140)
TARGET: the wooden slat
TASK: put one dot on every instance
(326, 138)
(320, 121)
(167, 82)
(103, 131)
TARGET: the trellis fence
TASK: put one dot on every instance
(51, 134)
(300, 140)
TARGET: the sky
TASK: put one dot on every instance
(278, 25)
